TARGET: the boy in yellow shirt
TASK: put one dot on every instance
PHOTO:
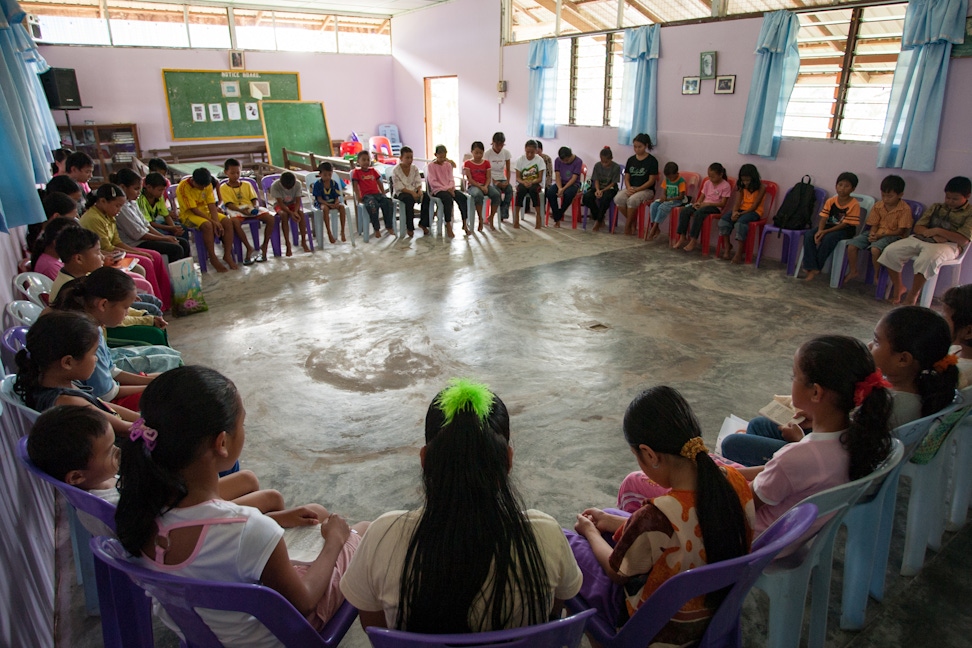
(197, 208)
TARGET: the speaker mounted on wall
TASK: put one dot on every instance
(61, 88)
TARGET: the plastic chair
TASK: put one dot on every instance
(561, 633)
(693, 182)
(839, 258)
(180, 596)
(787, 579)
(756, 227)
(575, 204)
(792, 239)
(737, 573)
(255, 225)
(351, 148)
(391, 132)
(21, 313)
(706, 233)
(14, 339)
(34, 287)
(961, 472)
(381, 149)
(266, 182)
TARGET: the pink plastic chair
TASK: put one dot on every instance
(381, 148)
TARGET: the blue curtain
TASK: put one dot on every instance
(27, 130)
(910, 138)
(774, 75)
(542, 102)
(639, 91)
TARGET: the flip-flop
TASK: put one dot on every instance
(247, 262)
(261, 258)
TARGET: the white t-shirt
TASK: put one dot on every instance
(373, 579)
(497, 162)
(131, 224)
(531, 170)
(235, 551)
(905, 408)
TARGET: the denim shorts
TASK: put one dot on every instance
(860, 242)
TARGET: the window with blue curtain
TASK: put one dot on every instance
(27, 130)
(542, 102)
(639, 91)
(774, 75)
(910, 138)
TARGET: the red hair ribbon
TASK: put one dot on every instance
(864, 388)
(948, 361)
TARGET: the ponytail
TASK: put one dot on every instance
(924, 334)
(187, 407)
(716, 167)
(53, 336)
(47, 237)
(125, 177)
(104, 283)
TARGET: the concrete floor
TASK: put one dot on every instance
(337, 355)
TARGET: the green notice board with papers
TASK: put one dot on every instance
(215, 104)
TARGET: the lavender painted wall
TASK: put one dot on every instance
(124, 84)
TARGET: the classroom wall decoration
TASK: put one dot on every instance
(295, 126)
(215, 104)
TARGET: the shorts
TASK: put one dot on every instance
(860, 242)
(622, 199)
(232, 213)
(293, 206)
(333, 598)
(192, 220)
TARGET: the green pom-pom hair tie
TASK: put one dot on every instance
(465, 394)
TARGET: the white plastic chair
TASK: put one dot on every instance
(961, 471)
(787, 579)
(32, 285)
(21, 313)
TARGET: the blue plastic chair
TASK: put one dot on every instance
(562, 633)
(792, 239)
(180, 596)
(739, 574)
(787, 579)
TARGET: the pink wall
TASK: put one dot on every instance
(124, 84)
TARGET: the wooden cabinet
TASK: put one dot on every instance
(111, 146)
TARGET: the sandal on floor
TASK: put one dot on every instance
(248, 262)
(261, 258)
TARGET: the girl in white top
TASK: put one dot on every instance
(170, 513)
(471, 560)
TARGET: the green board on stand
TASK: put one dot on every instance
(295, 126)
(212, 104)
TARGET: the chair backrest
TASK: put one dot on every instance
(738, 574)
(911, 434)
(390, 131)
(380, 145)
(14, 339)
(917, 208)
(170, 198)
(560, 633)
(9, 397)
(23, 313)
(867, 204)
(772, 189)
(33, 285)
(79, 499)
(266, 181)
(693, 182)
(180, 596)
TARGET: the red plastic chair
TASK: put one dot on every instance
(351, 148)
(381, 148)
(575, 204)
(706, 234)
(693, 182)
(756, 227)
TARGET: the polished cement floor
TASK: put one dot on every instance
(338, 353)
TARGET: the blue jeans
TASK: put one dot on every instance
(741, 225)
(660, 209)
(814, 255)
(757, 446)
(479, 198)
(374, 202)
(148, 303)
(558, 209)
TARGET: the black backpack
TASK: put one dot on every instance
(796, 210)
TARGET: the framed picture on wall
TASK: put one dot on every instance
(707, 65)
(691, 85)
(725, 84)
(236, 60)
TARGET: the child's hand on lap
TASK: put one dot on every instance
(335, 529)
(307, 515)
(584, 525)
(160, 323)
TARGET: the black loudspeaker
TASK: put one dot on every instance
(61, 88)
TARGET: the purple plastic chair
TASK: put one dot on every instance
(179, 596)
(14, 339)
(739, 574)
(255, 225)
(792, 239)
(562, 633)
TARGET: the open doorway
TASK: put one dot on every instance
(442, 115)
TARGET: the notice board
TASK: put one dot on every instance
(215, 104)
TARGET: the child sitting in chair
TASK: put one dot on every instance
(240, 202)
(286, 194)
(327, 194)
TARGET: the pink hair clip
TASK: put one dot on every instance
(141, 431)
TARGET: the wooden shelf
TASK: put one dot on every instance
(111, 146)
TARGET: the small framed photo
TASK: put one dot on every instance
(725, 84)
(691, 85)
(236, 60)
(707, 65)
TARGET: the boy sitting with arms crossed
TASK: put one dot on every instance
(327, 194)
(286, 194)
(890, 220)
(240, 202)
(197, 207)
(369, 190)
(75, 444)
(940, 235)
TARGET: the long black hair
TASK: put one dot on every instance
(107, 191)
(661, 419)
(54, 335)
(188, 407)
(839, 363)
(54, 227)
(473, 539)
(125, 177)
(104, 283)
(924, 334)
(751, 172)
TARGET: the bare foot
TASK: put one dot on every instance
(425, 231)
(557, 224)
(851, 274)
(304, 246)
(739, 256)
(727, 253)
(411, 233)
(811, 274)
(390, 233)
(342, 237)
(449, 232)
(219, 266)
(680, 243)
(330, 237)
(377, 234)
(692, 244)
(290, 252)
(516, 226)
(597, 226)
(491, 228)
(480, 228)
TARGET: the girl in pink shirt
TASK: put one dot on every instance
(442, 185)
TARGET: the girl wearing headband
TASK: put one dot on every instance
(707, 516)
(471, 559)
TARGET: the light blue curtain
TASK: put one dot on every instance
(910, 138)
(639, 91)
(774, 75)
(27, 130)
(542, 102)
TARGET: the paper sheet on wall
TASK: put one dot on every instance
(252, 112)
(233, 111)
(215, 112)
(198, 112)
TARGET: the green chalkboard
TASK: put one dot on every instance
(295, 126)
(212, 104)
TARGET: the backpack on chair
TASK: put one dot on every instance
(796, 210)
